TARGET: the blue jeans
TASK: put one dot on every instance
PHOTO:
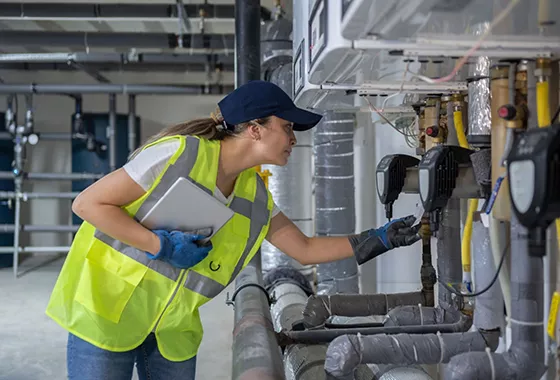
(88, 362)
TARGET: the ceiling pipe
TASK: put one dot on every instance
(21, 10)
(25, 38)
(125, 89)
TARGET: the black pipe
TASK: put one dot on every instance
(286, 338)
(247, 41)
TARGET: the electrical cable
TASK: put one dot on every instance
(555, 117)
(476, 294)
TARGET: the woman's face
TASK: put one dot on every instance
(276, 141)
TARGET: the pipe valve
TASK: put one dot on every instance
(391, 175)
(534, 173)
(437, 177)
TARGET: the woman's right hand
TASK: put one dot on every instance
(180, 248)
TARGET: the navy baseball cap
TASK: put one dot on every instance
(258, 99)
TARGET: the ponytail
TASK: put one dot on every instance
(211, 128)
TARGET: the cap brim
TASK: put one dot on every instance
(303, 120)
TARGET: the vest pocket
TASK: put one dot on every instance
(107, 283)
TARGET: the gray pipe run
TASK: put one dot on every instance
(115, 40)
(53, 176)
(9, 228)
(346, 352)
(301, 362)
(256, 354)
(489, 310)
(449, 266)
(334, 197)
(37, 195)
(402, 349)
(320, 308)
(124, 89)
(525, 358)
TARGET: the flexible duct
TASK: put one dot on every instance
(290, 185)
(525, 358)
(479, 96)
(334, 197)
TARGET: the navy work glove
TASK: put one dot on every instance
(374, 242)
(180, 248)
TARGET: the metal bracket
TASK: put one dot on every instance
(270, 298)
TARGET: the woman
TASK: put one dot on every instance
(127, 294)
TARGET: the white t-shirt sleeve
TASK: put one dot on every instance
(147, 165)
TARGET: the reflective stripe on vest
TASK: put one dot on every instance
(257, 212)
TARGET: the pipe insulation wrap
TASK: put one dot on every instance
(306, 362)
(419, 316)
(345, 353)
(256, 353)
(291, 187)
(479, 91)
(320, 308)
(525, 358)
(289, 305)
(489, 307)
(449, 267)
(334, 196)
(405, 373)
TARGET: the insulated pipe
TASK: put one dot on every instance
(421, 316)
(125, 89)
(345, 353)
(449, 267)
(324, 336)
(301, 362)
(525, 358)
(256, 354)
(334, 197)
(53, 176)
(247, 41)
(489, 309)
(320, 308)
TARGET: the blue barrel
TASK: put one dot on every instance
(88, 161)
(6, 212)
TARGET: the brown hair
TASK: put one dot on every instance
(211, 128)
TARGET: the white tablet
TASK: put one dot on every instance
(186, 207)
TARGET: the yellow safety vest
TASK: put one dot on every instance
(111, 295)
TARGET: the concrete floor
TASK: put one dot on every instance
(32, 346)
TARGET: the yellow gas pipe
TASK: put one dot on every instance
(543, 71)
(473, 203)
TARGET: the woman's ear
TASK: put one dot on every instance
(254, 131)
